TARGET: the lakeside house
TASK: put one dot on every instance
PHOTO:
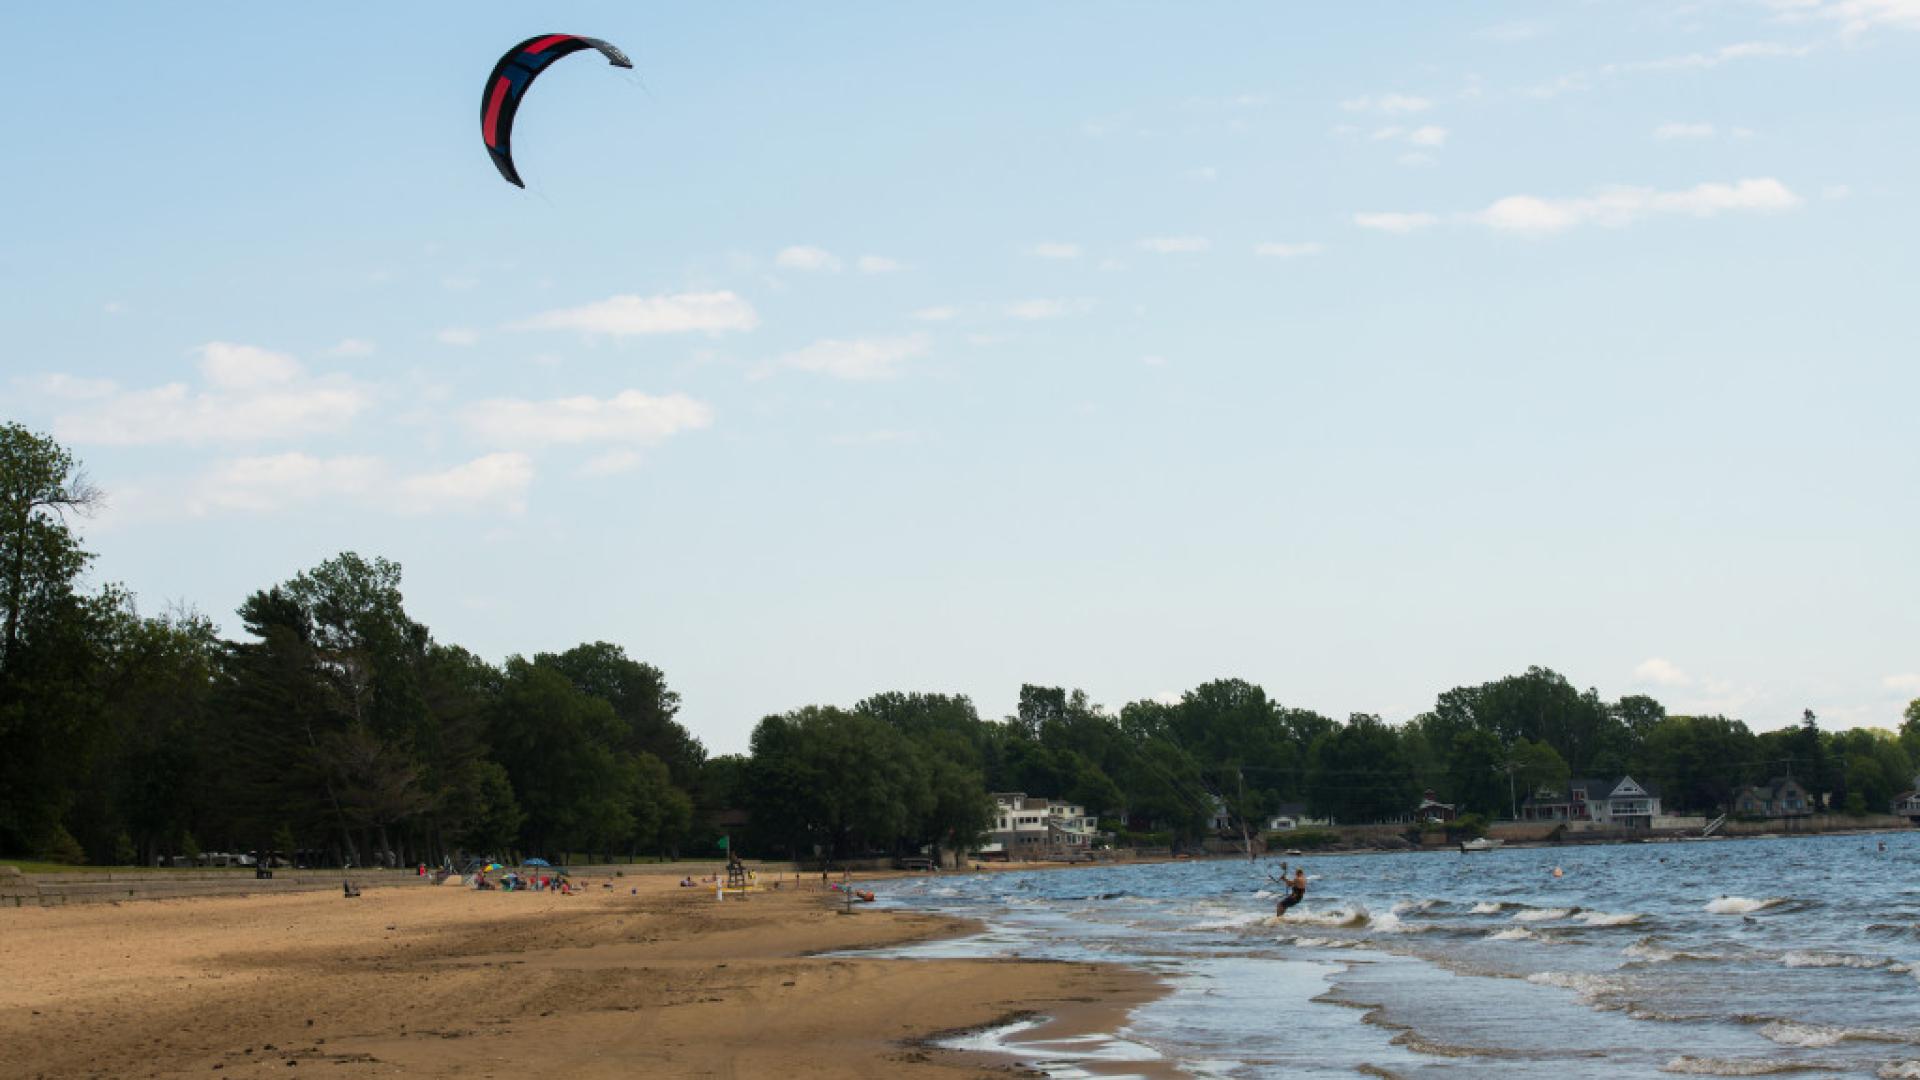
(1289, 816)
(1033, 827)
(1907, 805)
(1625, 803)
(1782, 797)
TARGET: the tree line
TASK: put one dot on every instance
(338, 727)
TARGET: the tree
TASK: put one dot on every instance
(52, 642)
(1359, 773)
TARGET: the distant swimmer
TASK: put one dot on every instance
(1557, 872)
(1296, 892)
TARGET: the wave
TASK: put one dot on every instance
(1589, 986)
(1490, 907)
(1808, 958)
(1601, 918)
(1907, 931)
(1236, 921)
(1649, 951)
(1305, 942)
(1421, 907)
(1544, 914)
(1705, 1066)
(1741, 905)
(1340, 918)
(1899, 1070)
(1516, 933)
(1815, 1036)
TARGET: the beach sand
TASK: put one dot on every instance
(446, 981)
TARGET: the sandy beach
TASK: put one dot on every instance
(642, 979)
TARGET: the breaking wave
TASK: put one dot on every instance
(1602, 918)
(1706, 1066)
(1740, 905)
(1544, 914)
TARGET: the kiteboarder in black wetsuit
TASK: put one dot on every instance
(1296, 892)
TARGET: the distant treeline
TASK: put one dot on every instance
(337, 727)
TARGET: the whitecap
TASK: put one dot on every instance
(1899, 1070)
(1542, 914)
(1799, 958)
(1488, 907)
(1601, 918)
(1517, 933)
(1586, 984)
(1705, 1066)
(1741, 905)
(1791, 1033)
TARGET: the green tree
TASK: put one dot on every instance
(1359, 773)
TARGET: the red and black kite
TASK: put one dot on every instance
(508, 84)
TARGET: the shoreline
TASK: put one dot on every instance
(643, 978)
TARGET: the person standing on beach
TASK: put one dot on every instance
(1296, 892)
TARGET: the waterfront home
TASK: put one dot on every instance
(1432, 811)
(1031, 827)
(1907, 805)
(1288, 816)
(1625, 803)
(1784, 797)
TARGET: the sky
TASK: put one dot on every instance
(1360, 350)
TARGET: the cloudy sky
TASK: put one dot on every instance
(1360, 350)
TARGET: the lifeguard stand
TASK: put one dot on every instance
(736, 872)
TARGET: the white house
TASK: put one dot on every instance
(1628, 804)
(1038, 828)
(1292, 816)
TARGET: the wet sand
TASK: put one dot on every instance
(449, 982)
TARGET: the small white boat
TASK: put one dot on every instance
(1481, 844)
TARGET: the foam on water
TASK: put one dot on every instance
(1706, 1066)
(1741, 905)
(1601, 918)
(1514, 933)
(1543, 914)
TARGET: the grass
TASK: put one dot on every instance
(30, 866)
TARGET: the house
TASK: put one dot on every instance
(1431, 810)
(1785, 797)
(1628, 804)
(1907, 805)
(1546, 804)
(1219, 817)
(1288, 816)
(1027, 827)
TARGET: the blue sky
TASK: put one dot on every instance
(1360, 350)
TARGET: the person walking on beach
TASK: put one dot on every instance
(1296, 892)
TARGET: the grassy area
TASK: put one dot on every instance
(29, 866)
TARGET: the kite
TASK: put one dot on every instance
(508, 84)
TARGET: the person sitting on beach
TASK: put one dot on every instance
(1296, 892)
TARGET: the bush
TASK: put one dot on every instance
(1856, 804)
(57, 845)
(1467, 827)
(1303, 839)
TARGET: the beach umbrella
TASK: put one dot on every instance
(536, 862)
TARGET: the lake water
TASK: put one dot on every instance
(1723, 958)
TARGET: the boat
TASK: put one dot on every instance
(1480, 844)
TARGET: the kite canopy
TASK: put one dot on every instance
(508, 84)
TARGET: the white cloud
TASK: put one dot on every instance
(801, 257)
(250, 393)
(612, 464)
(857, 358)
(1428, 135)
(628, 315)
(280, 481)
(1174, 245)
(1394, 222)
(1033, 310)
(1289, 251)
(1511, 31)
(879, 264)
(1906, 683)
(495, 479)
(245, 367)
(70, 387)
(352, 347)
(1660, 672)
(1683, 131)
(1387, 103)
(1617, 207)
(1741, 50)
(940, 313)
(1855, 17)
(457, 335)
(1392, 131)
(629, 416)
(1054, 250)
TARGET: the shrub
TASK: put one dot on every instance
(1303, 839)
(57, 845)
